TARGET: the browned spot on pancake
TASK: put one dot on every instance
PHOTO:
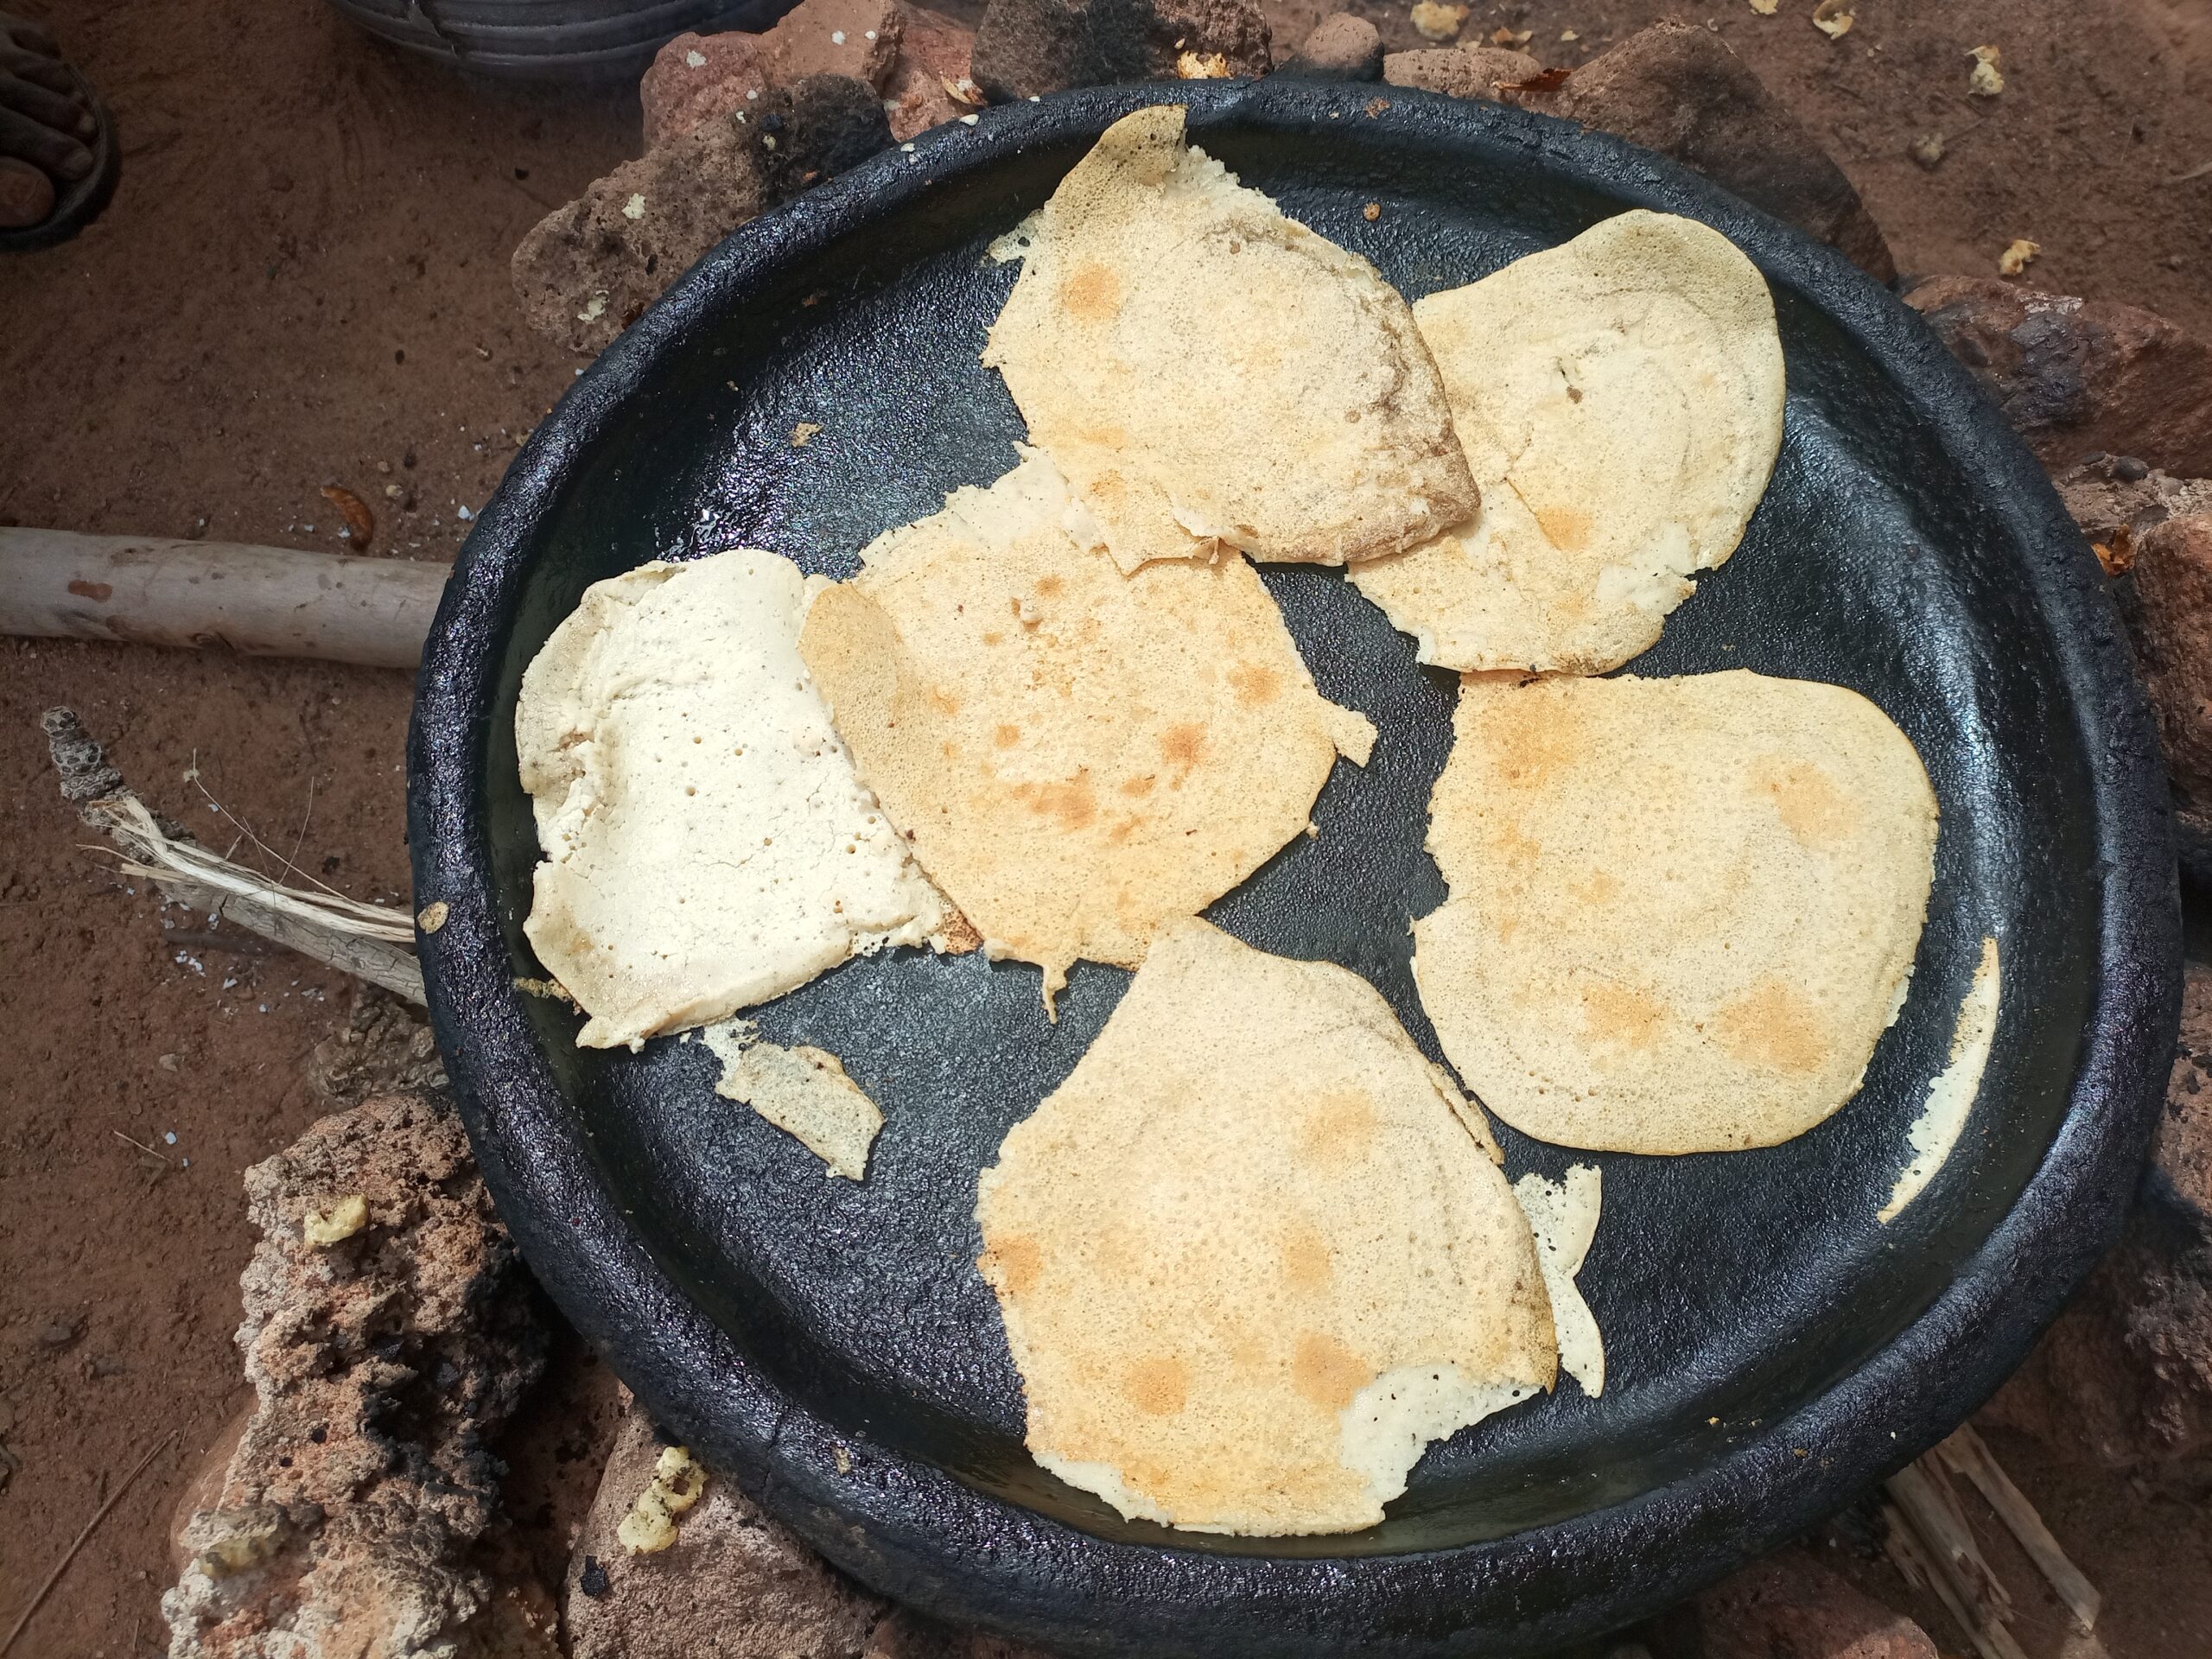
(1512, 845)
(1326, 1372)
(1533, 736)
(1157, 1384)
(1617, 1014)
(1182, 744)
(1305, 1264)
(1565, 528)
(1092, 293)
(1071, 804)
(1049, 585)
(1810, 805)
(942, 701)
(1141, 787)
(1339, 1127)
(992, 637)
(1599, 887)
(1007, 736)
(1771, 1024)
(1017, 1261)
(1255, 685)
(1127, 827)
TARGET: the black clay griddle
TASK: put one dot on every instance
(1774, 1351)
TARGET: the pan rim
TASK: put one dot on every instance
(913, 1530)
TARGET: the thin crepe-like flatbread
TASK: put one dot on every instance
(1620, 400)
(1682, 912)
(1250, 1258)
(1074, 755)
(1207, 372)
(1563, 1215)
(707, 844)
(803, 1091)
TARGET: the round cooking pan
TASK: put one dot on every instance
(1774, 1350)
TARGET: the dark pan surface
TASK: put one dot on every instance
(1773, 1350)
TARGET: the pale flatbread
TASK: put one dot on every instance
(803, 1091)
(707, 844)
(1250, 1259)
(1620, 401)
(1952, 1092)
(1074, 755)
(1563, 1215)
(1207, 372)
(1682, 912)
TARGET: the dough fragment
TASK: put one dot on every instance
(1563, 1215)
(803, 1091)
(1208, 372)
(1074, 755)
(707, 844)
(1682, 912)
(1620, 399)
(1952, 1092)
(1250, 1259)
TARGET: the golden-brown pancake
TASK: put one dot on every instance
(1074, 755)
(1620, 401)
(1251, 1258)
(1681, 912)
(1208, 373)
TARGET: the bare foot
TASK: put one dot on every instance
(46, 127)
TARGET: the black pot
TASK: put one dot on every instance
(552, 40)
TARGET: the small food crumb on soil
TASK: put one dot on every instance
(1834, 18)
(1987, 80)
(334, 1223)
(2018, 256)
(1928, 149)
(1433, 22)
(677, 1480)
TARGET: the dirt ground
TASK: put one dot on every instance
(303, 281)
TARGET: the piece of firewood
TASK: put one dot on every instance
(266, 601)
(1902, 1545)
(1964, 1453)
(367, 941)
(1960, 1575)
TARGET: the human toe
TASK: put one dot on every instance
(59, 111)
(55, 153)
(26, 194)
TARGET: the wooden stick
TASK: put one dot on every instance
(1902, 1545)
(367, 941)
(1964, 1453)
(268, 601)
(38, 1598)
(1923, 1494)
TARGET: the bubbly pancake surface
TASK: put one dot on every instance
(1682, 912)
(707, 844)
(1208, 372)
(1620, 401)
(1074, 755)
(1251, 1256)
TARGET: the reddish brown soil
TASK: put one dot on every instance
(303, 281)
